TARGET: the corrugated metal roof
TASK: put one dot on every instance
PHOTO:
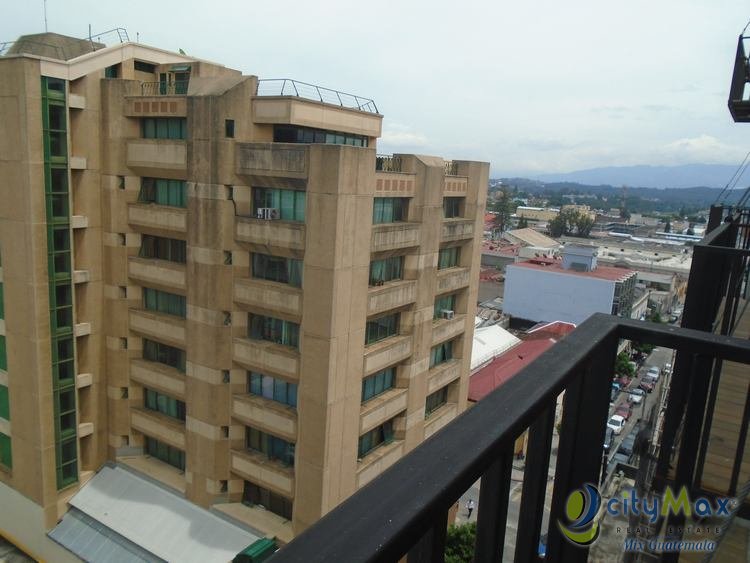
(160, 522)
(489, 342)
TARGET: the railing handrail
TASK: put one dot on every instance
(387, 163)
(157, 88)
(383, 520)
(316, 93)
(451, 168)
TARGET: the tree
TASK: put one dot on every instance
(623, 365)
(459, 543)
(667, 227)
(522, 223)
(503, 210)
(584, 223)
(654, 317)
(557, 227)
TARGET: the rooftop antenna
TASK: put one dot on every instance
(45, 16)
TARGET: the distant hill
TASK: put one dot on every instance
(685, 176)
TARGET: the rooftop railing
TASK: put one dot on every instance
(176, 88)
(295, 88)
(387, 163)
(451, 168)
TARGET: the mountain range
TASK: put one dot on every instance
(683, 176)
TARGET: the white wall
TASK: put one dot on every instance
(537, 295)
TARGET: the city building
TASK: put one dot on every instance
(569, 289)
(212, 280)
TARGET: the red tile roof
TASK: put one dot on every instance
(550, 265)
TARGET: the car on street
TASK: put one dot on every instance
(636, 395)
(609, 437)
(624, 381)
(624, 410)
(653, 372)
(647, 384)
(616, 423)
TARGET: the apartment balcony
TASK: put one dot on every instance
(457, 229)
(161, 327)
(267, 357)
(158, 376)
(404, 512)
(455, 186)
(256, 467)
(391, 295)
(443, 374)
(394, 236)
(268, 235)
(259, 294)
(280, 420)
(439, 418)
(387, 353)
(445, 329)
(382, 408)
(162, 427)
(258, 161)
(377, 461)
(161, 274)
(159, 220)
(451, 279)
(162, 158)
(390, 180)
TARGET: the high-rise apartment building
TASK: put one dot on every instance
(213, 280)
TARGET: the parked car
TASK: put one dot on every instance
(624, 410)
(647, 384)
(653, 372)
(667, 368)
(609, 436)
(636, 395)
(616, 423)
(624, 381)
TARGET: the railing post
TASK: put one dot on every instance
(493, 508)
(585, 410)
(714, 217)
(431, 547)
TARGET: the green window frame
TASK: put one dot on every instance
(449, 257)
(435, 400)
(4, 403)
(163, 191)
(272, 388)
(390, 210)
(378, 383)
(277, 268)
(164, 302)
(452, 207)
(253, 494)
(162, 248)
(164, 128)
(378, 436)
(444, 303)
(164, 452)
(274, 448)
(290, 203)
(6, 455)
(441, 353)
(273, 330)
(164, 354)
(296, 134)
(381, 328)
(2, 301)
(3, 354)
(63, 361)
(387, 269)
(164, 404)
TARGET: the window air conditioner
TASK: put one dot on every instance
(447, 314)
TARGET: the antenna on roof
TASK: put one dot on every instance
(45, 16)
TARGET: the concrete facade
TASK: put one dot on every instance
(171, 313)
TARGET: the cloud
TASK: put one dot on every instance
(703, 148)
(397, 135)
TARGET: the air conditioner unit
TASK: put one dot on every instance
(268, 213)
(447, 314)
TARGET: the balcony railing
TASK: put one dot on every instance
(387, 163)
(451, 168)
(289, 87)
(404, 511)
(176, 88)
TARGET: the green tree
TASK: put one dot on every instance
(522, 223)
(459, 543)
(667, 227)
(584, 223)
(503, 209)
(654, 317)
(623, 365)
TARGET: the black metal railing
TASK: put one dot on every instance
(404, 511)
(289, 87)
(176, 88)
(451, 168)
(739, 94)
(387, 163)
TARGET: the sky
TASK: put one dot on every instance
(532, 87)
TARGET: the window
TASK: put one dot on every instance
(386, 270)
(376, 437)
(441, 353)
(448, 257)
(253, 494)
(155, 401)
(3, 354)
(163, 192)
(112, 71)
(163, 302)
(293, 134)
(67, 467)
(56, 186)
(452, 207)
(167, 355)
(144, 67)
(274, 330)
(390, 209)
(444, 303)
(272, 388)
(290, 203)
(383, 327)
(2, 300)
(274, 448)
(163, 249)
(229, 128)
(378, 383)
(164, 127)
(62, 361)
(4, 403)
(165, 453)
(278, 269)
(55, 128)
(435, 400)
(6, 458)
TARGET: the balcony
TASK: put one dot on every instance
(257, 468)
(259, 294)
(386, 353)
(160, 220)
(384, 407)
(404, 511)
(445, 329)
(393, 236)
(164, 328)
(280, 420)
(451, 279)
(267, 357)
(158, 376)
(164, 428)
(442, 375)
(266, 235)
(455, 186)
(257, 161)
(457, 229)
(167, 105)
(160, 274)
(391, 295)
(157, 157)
